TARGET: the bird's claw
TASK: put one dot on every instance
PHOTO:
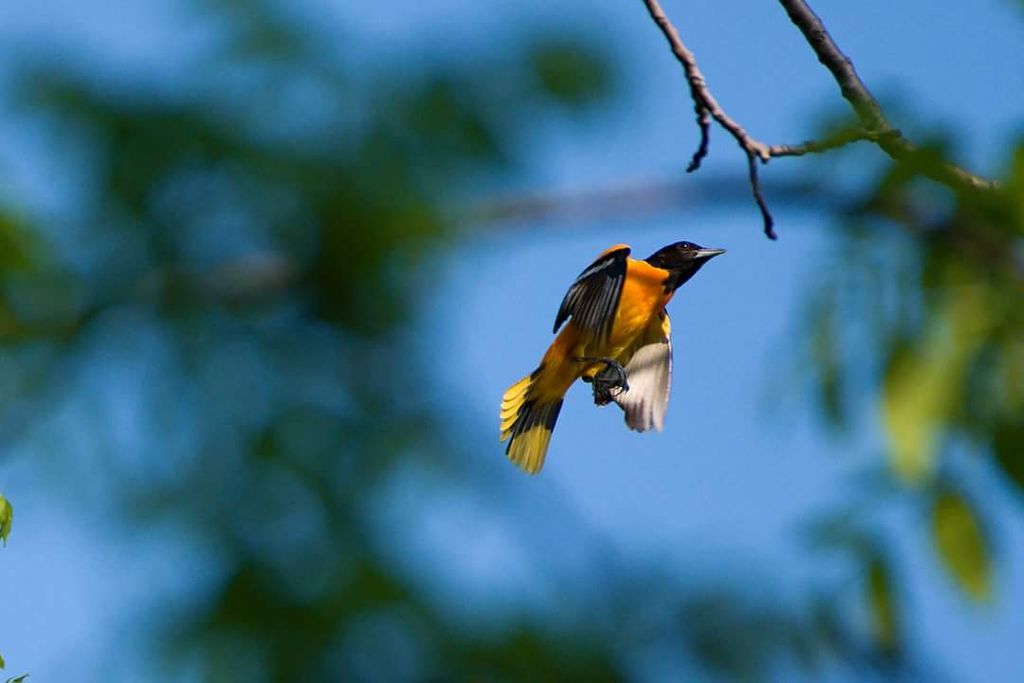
(609, 382)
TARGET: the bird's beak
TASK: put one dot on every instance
(705, 254)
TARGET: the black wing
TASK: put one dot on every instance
(594, 298)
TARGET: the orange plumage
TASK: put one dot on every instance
(617, 337)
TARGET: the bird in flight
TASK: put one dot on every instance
(617, 338)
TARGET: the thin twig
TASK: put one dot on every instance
(704, 123)
(755, 187)
(840, 139)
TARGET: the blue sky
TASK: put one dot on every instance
(738, 467)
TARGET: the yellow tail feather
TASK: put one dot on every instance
(511, 402)
(527, 423)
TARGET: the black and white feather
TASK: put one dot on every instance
(649, 373)
(593, 298)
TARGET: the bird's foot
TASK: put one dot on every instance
(609, 382)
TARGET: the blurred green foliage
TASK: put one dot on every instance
(267, 221)
(924, 382)
(960, 542)
(270, 218)
(3, 664)
(884, 609)
(6, 519)
(922, 309)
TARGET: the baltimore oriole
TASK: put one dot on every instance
(618, 339)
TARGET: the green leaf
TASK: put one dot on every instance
(19, 246)
(6, 517)
(1008, 430)
(1008, 445)
(570, 71)
(961, 545)
(826, 351)
(2, 662)
(923, 385)
(882, 606)
(17, 679)
(913, 400)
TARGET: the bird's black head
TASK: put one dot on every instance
(682, 260)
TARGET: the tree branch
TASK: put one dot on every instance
(874, 126)
(868, 111)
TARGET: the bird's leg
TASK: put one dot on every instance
(605, 382)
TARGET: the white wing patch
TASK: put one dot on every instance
(649, 373)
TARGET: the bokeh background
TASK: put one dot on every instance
(267, 267)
